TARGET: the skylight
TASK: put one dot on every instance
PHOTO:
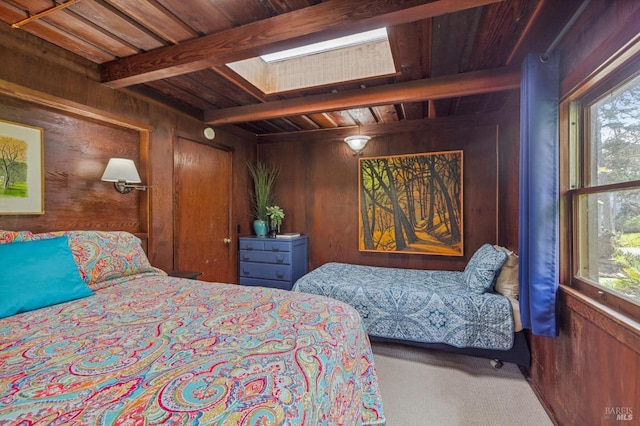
(347, 59)
(324, 46)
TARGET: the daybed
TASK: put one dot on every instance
(131, 345)
(456, 311)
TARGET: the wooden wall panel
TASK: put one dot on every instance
(318, 189)
(76, 151)
(509, 174)
(585, 371)
(596, 39)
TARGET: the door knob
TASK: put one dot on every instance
(227, 240)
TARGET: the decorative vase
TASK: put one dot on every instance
(260, 227)
(273, 229)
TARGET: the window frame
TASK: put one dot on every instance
(577, 150)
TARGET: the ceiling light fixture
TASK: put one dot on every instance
(357, 142)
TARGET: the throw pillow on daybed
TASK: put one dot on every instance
(507, 281)
(36, 274)
(484, 265)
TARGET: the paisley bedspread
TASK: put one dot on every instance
(152, 349)
(416, 305)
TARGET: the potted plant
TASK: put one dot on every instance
(263, 180)
(275, 215)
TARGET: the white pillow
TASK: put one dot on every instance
(507, 281)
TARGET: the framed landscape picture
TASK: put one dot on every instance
(412, 204)
(21, 169)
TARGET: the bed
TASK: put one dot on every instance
(131, 345)
(456, 311)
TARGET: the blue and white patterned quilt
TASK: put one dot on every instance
(416, 305)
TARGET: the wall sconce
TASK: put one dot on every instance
(122, 172)
(357, 143)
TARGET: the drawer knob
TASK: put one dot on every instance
(279, 258)
(279, 274)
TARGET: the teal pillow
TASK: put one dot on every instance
(35, 274)
(483, 268)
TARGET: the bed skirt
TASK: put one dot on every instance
(519, 354)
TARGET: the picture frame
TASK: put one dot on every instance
(412, 204)
(21, 169)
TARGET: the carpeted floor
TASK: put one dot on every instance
(425, 387)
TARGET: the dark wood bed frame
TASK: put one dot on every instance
(518, 354)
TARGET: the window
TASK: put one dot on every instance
(606, 201)
(340, 60)
(324, 46)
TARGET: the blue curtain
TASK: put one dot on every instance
(538, 245)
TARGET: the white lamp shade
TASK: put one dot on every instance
(357, 142)
(121, 169)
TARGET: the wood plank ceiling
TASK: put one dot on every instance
(453, 57)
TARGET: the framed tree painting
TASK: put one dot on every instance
(412, 204)
(21, 169)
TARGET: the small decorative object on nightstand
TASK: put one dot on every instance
(269, 262)
(191, 275)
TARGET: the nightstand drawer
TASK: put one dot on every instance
(269, 245)
(277, 245)
(265, 270)
(251, 244)
(265, 257)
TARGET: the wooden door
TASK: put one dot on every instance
(202, 206)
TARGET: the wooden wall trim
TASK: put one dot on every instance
(52, 101)
(145, 170)
(622, 328)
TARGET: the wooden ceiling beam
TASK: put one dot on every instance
(308, 25)
(237, 80)
(44, 13)
(377, 130)
(471, 83)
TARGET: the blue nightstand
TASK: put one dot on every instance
(272, 262)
